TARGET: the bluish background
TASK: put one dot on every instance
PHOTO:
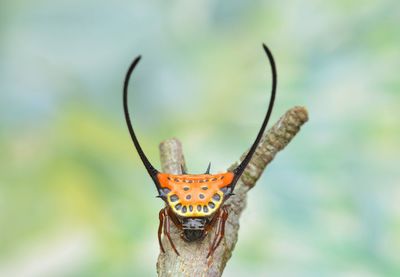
(75, 199)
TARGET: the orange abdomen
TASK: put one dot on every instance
(195, 195)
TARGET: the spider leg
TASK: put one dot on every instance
(167, 231)
(220, 232)
(160, 228)
(172, 216)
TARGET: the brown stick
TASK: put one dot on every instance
(192, 260)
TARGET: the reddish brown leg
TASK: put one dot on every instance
(172, 216)
(160, 227)
(220, 232)
(167, 224)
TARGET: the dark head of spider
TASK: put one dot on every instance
(193, 228)
(195, 202)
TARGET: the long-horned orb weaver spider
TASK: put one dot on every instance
(194, 202)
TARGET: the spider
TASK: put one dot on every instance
(194, 203)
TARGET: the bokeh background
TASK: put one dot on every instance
(75, 199)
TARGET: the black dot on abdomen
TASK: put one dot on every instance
(174, 198)
(216, 197)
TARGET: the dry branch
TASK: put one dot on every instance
(192, 260)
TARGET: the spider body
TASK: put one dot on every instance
(194, 203)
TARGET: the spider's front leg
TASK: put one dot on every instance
(221, 218)
(160, 228)
(165, 223)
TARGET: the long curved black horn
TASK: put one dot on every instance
(241, 167)
(150, 169)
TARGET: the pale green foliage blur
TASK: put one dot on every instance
(75, 199)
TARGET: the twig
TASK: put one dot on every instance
(192, 260)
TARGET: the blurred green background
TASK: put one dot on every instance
(75, 199)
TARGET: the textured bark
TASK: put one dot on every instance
(192, 260)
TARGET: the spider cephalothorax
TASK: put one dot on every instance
(195, 202)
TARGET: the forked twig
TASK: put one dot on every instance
(192, 260)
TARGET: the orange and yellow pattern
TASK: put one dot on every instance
(195, 195)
